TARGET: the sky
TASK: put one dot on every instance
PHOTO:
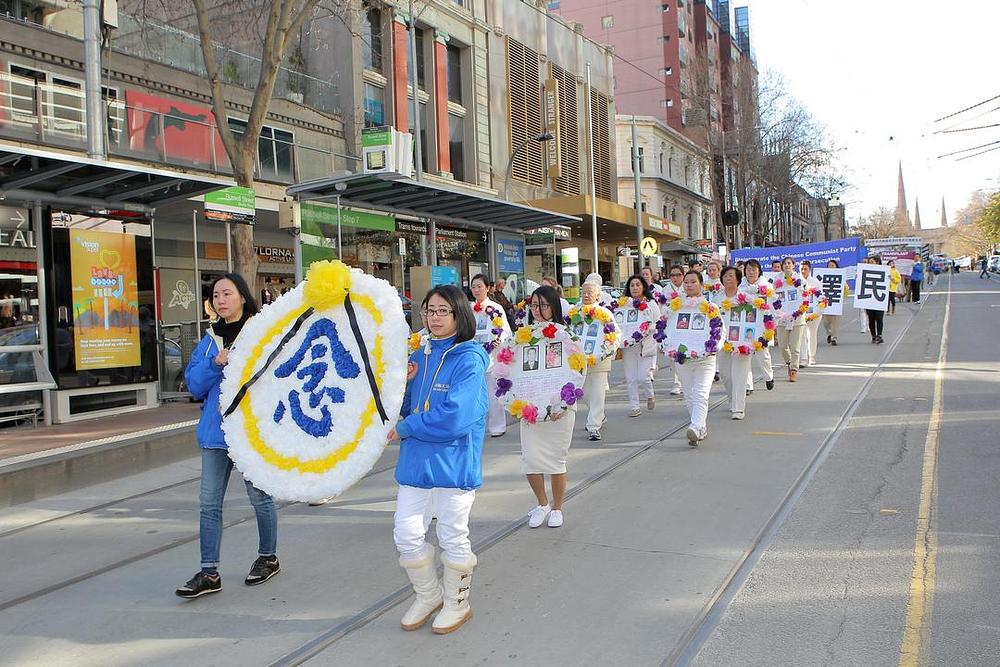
(878, 74)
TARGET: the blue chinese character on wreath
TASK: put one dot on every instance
(311, 365)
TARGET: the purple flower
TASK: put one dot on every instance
(711, 346)
(609, 328)
(570, 394)
(503, 386)
(777, 304)
(637, 336)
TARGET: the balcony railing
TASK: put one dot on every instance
(55, 115)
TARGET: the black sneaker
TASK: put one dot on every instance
(200, 584)
(769, 384)
(262, 569)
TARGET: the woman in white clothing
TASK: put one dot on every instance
(814, 319)
(676, 286)
(640, 354)
(791, 323)
(696, 374)
(545, 444)
(735, 356)
(755, 284)
(487, 312)
(595, 386)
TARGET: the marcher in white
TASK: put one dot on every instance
(595, 386)
(676, 285)
(639, 357)
(657, 291)
(753, 283)
(443, 420)
(485, 311)
(734, 365)
(812, 325)
(696, 374)
(791, 325)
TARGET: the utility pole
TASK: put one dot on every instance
(638, 195)
(590, 162)
(418, 153)
(92, 79)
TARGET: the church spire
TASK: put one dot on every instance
(916, 214)
(944, 216)
(902, 216)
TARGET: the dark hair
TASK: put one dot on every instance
(250, 303)
(701, 278)
(551, 297)
(646, 291)
(776, 261)
(836, 264)
(754, 262)
(481, 276)
(465, 321)
(676, 266)
(806, 262)
(698, 262)
(787, 257)
(739, 274)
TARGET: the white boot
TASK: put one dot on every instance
(457, 582)
(423, 576)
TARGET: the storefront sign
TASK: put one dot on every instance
(550, 97)
(14, 231)
(546, 236)
(314, 215)
(235, 205)
(275, 254)
(510, 256)
(105, 300)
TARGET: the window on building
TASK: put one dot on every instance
(692, 230)
(274, 151)
(665, 214)
(456, 140)
(661, 160)
(642, 160)
(424, 157)
(454, 74)
(670, 167)
(371, 38)
(643, 207)
(374, 104)
(420, 61)
(600, 106)
(569, 141)
(524, 83)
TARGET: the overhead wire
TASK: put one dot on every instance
(988, 150)
(969, 108)
(966, 150)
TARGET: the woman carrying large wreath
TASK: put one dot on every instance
(756, 285)
(492, 331)
(441, 429)
(639, 347)
(598, 320)
(814, 292)
(234, 304)
(788, 290)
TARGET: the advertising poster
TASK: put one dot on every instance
(105, 300)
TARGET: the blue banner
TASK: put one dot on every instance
(510, 256)
(847, 252)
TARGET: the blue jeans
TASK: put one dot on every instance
(215, 469)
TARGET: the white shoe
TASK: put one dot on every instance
(498, 435)
(737, 415)
(702, 434)
(635, 413)
(676, 392)
(423, 576)
(457, 582)
(555, 519)
(693, 436)
(320, 502)
(536, 517)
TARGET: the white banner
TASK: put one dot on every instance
(834, 283)
(872, 287)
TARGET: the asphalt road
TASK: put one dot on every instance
(786, 539)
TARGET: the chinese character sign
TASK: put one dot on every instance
(834, 284)
(872, 287)
(105, 300)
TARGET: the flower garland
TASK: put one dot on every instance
(785, 317)
(521, 397)
(496, 321)
(815, 296)
(583, 316)
(646, 327)
(743, 303)
(682, 353)
(712, 290)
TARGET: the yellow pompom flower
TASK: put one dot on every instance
(414, 342)
(516, 407)
(523, 335)
(757, 346)
(603, 316)
(577, 362)
(498, 321)
(675, 303)
(704, 307)
(327, 284)
(726, 304)
(591, 360)
(758, 303)
(727, 347)
(769, 334)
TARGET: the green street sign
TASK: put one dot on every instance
(234, 205)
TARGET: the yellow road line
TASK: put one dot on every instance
(919, 606)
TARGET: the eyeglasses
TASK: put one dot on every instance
(540, 306)
(439, 312)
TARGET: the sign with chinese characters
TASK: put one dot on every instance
(105, 299)
(235, 205)
(834, 282)
(872, 287)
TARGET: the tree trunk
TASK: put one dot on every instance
(245, 261)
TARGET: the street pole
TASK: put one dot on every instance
(340, 243)
(92, 78)
(417, 149)
(638, 195)
(590, 167)
(196, 285)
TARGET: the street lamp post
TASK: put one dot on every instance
(541, 138)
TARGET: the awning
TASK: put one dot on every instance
(684, 247)
(617, 222)
(76, 182)
(392, 193)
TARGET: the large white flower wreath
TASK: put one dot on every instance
(314, 383)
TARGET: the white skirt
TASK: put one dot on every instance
(544, 445)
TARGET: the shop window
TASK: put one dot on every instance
(374, 105)
(456, 139)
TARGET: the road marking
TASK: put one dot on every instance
(774, 433)
(916, 633)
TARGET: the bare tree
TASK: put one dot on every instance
(977, 230)
(880, 224)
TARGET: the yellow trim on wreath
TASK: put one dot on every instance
(331, 460)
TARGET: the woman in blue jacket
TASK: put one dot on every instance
(441, 428)
(234, 303)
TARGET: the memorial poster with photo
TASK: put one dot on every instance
(693, 330)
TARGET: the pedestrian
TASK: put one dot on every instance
(832, 322)
(676, 287)
(814, 318)
(916, 278)
(639, 357)
(984, 268)
(234, 304)
(876, 318)
(791, 330)
(595, 386)
(734, 358)
(895, 282)
(545, 444)
(647, 274)
(554, 284)
(441, 428)
(756, 285)
(696, 374)
(498, 295)
(485, 312)
(698, 266)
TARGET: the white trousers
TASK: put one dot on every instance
(497, 417)
(831, 323)
(763, 358)
(812, 338)
(595, 390)
(677, 378)
(638, 377)
(790, 344)
(414, 510)
(732, 368)
(696, 379)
